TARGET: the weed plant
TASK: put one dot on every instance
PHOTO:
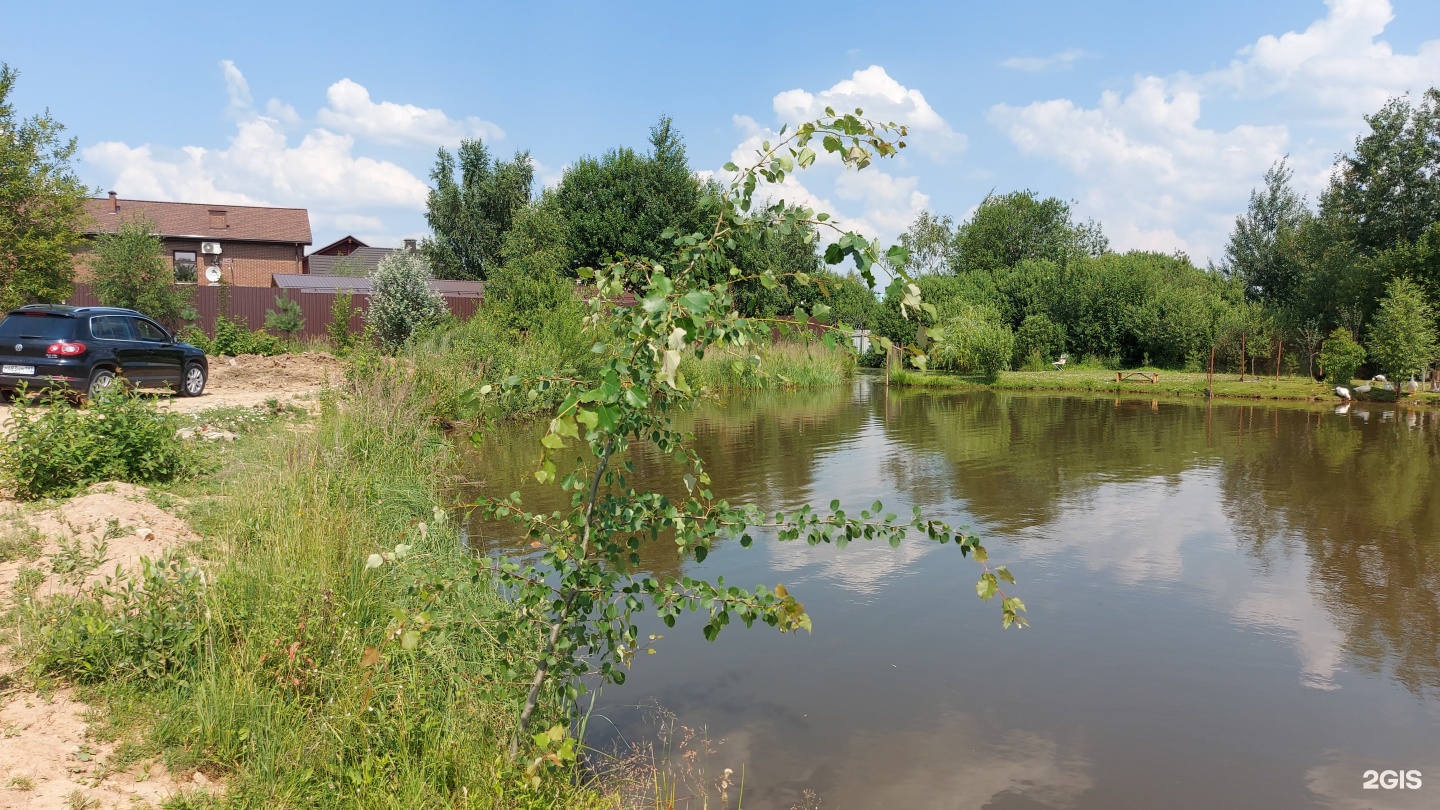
(783, 364)
(279, 670)
(57, 449)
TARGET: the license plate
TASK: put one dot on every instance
(24, 370)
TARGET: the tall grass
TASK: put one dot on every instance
(304, 697)
(783, 364)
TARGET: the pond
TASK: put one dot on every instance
(1231, 605)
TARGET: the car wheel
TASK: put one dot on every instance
(102, 382)
(193, 381)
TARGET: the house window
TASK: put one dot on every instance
(184, 262)
(217, 219)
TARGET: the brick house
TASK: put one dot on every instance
(246, 244)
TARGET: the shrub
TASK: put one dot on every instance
(285, 318)
(342, 309)
(58, 450)
(974, 341)
(234, 339)
(1341, 356)
(521, 299)
(148, 627)
(1039, 334)
(401, 301)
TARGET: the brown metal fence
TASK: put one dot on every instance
(248, 305)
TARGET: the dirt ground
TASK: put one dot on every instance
(251, 380)
(48, 755)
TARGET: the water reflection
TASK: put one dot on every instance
(1220, 594)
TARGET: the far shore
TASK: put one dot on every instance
(1228, 386)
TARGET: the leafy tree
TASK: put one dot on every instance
(286, 318)
(1261, 252)
(129, 270)
(621, 203)
(1402, 338)
(930, 242)
(1389, 186)
(470, 216)
(1009, 228)
(42, 203)
(1341, 356)
(401, 301)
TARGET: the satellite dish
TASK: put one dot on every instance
(212, 275)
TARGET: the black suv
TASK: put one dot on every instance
(86, 349)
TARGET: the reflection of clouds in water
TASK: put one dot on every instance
(854, 473)
(1339, 783)
(917, 767)
(864, 567)
(1141, 533)
(1282, 599)
(921, 768)
(1133, 531)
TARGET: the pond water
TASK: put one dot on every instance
(1232, 606)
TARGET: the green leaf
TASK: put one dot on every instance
(552, 441)
(410, 639)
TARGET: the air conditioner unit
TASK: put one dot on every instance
(210, 247)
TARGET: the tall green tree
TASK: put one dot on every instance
(42, 205)
(930, 241)
(1009, 228)
(1389, 185)
(1262, 251)
(1402, 338)
(129, 270)
(621, 203)
(469, 215)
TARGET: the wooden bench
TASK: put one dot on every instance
(1151, 377)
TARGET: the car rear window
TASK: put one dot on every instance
(37, 325)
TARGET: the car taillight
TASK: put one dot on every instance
(66, 349)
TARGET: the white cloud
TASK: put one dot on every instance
(1064, 60)
(1159, 179)
(1336, 65)
(876, 203)
(351, 111)
(883, 99)
(1152, 175)
(262, 165)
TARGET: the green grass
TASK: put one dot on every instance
(783, 364)
(1172, 383)
(283, 702)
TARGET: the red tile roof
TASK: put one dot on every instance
(244, 223)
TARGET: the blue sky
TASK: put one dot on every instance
(1155, 118)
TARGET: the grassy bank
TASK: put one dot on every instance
(1171, 383)
(436, 373)
(280, 672)
(777, 365)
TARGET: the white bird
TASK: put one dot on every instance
(1413, 387)
(1380, 377)
(1362, 389)
(1342, 392)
